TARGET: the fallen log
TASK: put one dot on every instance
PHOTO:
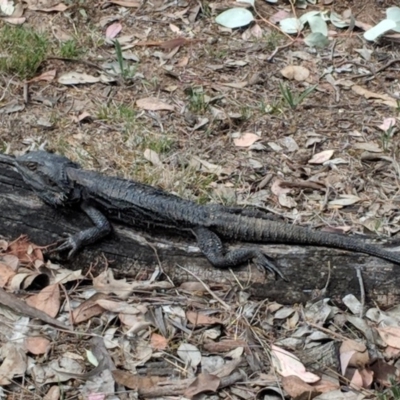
(132, 254)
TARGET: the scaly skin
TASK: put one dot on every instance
(60, 183)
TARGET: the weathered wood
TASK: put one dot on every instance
(132, 254)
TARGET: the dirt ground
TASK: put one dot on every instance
(201, 112)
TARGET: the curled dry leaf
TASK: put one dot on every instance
(47, 76)
(288, 364)
(353, 354)
(246, 140)
(113, 30)
(154, 104)
(320, 158)
(362, 378)
(390, 335)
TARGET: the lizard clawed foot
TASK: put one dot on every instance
(71, 242)
(266, 263)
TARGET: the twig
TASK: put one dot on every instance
(362, 291)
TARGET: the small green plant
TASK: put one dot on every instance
(272, 40)
(160, 144)
(293, 100)
(392, 393)
(25, 50)
(387, 135)
(125, 70)
(117, 113)
(69, 49)
(197, 99)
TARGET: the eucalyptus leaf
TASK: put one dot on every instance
(318, 25)
(338, 21)
(291, 25)
(316, 39)
(235, 18)
(380, 29)
(393, 13)
(251, 2)
(305, 17)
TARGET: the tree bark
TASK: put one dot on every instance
(135, 254)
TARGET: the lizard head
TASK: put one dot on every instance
(46, 174)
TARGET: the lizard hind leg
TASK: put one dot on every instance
(211, 246)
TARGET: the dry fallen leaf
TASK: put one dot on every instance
(199, 319)
(353, 354)
(47, 76)
(345, 200)
(246, 140)
(113, 30)
(277, 189)
(60, 7)
(202, 383)
(47, 300)
(14, 21)
(390, 335)
(296, 388)
(126, 3)
(158, 342)
(320, 158)
(106, 283)
(295, 72)
(88, 309)
(387, 124)
(152, 156)
(287, 364)
(153, 104)
(37, 345)
(6, 273)
(370, 146)
(75, 78)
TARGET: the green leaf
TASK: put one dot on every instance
(318, 25)
(338, 21)
(235, 18)
(316, 40)
(380, 29)
(291, 25)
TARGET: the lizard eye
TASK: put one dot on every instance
(32, 166)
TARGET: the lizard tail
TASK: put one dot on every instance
(261, 230)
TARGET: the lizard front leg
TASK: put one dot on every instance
(211, 246)
(78, 240)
